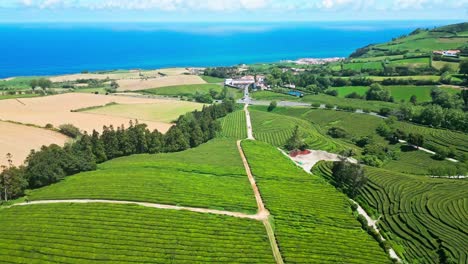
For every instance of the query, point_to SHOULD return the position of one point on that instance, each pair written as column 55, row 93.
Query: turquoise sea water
column 47, row 49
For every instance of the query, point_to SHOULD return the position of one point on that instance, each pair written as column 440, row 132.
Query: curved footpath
column 260, row 216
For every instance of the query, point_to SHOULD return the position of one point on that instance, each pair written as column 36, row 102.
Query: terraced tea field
column 234, row 125
column 186, row 178
column 364, row 125
column 417, row 162
column 277, row 129
column 313, row 222
column 109, row 233
column 420, row 216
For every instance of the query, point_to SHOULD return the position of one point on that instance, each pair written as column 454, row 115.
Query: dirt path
column 426, row 150
column 261, row 206
column 249, row 123
column 308, row 161
column 373, row 223
column 258, row 216
column 258, row 197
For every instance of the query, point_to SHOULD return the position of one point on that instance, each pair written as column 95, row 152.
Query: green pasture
column 210, row 79
column 190, row 90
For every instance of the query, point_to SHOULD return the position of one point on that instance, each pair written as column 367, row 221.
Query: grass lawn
column 210, row 79
column 416, row 77
column 18, row 83
column 190, row 90
column 100, row 90
column 363, row 65
column 209, row 176
column 166, row 111
column 413, row 62
column 111, row 233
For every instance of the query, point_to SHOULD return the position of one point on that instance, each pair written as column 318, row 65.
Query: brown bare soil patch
column 20, row 139
column 56, row 110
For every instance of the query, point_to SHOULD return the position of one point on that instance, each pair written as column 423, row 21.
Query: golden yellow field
column 142, row 84
column 56, row 110
column 164, row 111
column 20, row 139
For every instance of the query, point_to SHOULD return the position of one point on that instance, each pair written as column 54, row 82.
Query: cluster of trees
column 53, row 163
column 378, row 93
column 42, row 83
column 212, row 95
column 446, row 111
column 221, row 72
column 348, row 177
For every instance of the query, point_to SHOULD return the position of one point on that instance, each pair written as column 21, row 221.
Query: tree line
column 52, row 163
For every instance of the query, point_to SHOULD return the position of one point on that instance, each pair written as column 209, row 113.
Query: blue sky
column 229, row 10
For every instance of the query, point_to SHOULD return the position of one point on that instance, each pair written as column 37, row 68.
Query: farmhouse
column 239, row 82
column 447, row 53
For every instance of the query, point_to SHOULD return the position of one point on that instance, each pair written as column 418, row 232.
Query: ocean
column 51, row 49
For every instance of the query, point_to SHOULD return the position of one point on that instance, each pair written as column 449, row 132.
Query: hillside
column 419, row 42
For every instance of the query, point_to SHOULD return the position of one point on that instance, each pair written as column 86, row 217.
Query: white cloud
column 236, row 5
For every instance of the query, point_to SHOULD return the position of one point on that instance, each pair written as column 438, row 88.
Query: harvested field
column 117, row 75
column 139, row 84
column 163, row 111
column 56, row 110
column 20, row 139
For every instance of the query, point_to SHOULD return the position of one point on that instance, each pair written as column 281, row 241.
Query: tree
column 414, row 99
column 464, row 67
column 12, row 180
column 114, row 85
column 416, row 139
column 349, row 177
column 296, row 141
column 98, row 147
column 69, row 130
column 378, row 93
column 272, row 106
column 175, row 140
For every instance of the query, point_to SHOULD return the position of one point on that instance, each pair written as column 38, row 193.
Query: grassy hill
column 419, row 42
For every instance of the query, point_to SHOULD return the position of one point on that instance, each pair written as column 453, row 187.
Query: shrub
column 337, row 132
column 385, row 111
column 272, row 106
column 316, row 105
column 329, row 106
column 49, row 126
column 372, row 160
column 69, row 130
column 364, row 141
column 354, row 95
column 332, row 92
column 441, row 153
